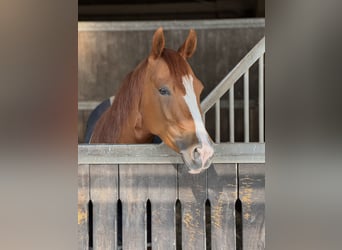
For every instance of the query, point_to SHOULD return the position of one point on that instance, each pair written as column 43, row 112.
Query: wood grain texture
column 158, row 184
column 163, row 195
column 161, row 154
column 222, row 193
column 174, row 25
column 104, row 194
column 252, row 196
column 82, row 204
column 192, row 195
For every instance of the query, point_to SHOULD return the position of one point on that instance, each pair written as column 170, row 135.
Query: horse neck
column 122, row 123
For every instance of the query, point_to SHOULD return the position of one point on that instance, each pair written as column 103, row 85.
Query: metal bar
column 161, row 154
column 246, row 104
column 231, row 115
column 172, row 25
column 217, row 122
column 234, row 75
column 261, row 99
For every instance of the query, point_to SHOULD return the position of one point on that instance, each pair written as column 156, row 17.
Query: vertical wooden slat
column 261, row 99
column 231, row 115
column 104, row 194
column 163, row 195
column 133, row 195
column 138, row 183
column 217, row 122
column 192, row 195
column 222, row 193
column 246, row 104
column 83, row 199
column 252, row 196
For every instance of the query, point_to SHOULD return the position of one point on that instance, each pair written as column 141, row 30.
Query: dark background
column 168, row 10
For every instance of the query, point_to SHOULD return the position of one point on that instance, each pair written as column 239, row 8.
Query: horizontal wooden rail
column 234, row 75
column 172, row 25
column 161, row 154
column 87, row 105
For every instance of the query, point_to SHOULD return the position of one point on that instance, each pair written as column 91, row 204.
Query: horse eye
column 164, row 91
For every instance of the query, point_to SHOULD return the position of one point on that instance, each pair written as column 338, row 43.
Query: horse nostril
column 196, row 154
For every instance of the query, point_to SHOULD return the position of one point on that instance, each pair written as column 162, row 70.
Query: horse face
column 171, row 103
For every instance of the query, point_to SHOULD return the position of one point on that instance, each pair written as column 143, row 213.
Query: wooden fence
column 206, row 203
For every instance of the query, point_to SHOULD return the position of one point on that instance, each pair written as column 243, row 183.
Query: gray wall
column 107, row 51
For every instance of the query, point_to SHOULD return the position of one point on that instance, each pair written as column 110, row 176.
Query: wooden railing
column 161, row 154
column 137, row 206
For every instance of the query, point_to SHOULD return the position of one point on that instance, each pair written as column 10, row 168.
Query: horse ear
column 158, row 43
column 189, row 46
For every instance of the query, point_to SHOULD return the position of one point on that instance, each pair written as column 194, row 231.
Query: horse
column 160, row 98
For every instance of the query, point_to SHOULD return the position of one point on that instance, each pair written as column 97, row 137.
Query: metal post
column 217, row 122
column 246, row 104
column 231, row 115
column 261, row 99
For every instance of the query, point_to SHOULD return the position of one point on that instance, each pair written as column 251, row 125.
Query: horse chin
column 194, row 166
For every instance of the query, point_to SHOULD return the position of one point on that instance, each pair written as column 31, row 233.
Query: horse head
column 170, row 102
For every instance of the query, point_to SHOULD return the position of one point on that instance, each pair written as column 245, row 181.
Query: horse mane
column 108, row 127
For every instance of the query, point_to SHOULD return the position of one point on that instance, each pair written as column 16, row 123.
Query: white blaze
column 190, row 99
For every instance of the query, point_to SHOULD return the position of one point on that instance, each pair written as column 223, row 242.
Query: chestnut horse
column 161, row 96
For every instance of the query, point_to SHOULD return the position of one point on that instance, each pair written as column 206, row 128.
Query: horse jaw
column 141, row 134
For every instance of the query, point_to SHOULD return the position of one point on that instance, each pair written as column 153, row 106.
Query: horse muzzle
column 198, row 157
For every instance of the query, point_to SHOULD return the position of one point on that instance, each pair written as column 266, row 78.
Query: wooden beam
column 172, row 25
column 161, row 154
